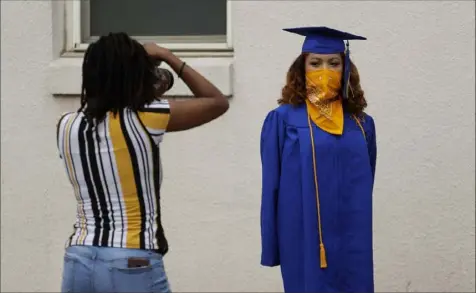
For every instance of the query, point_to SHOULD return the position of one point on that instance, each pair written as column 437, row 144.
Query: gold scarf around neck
column 324, row 105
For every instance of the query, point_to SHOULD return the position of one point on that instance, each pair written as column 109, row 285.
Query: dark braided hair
column 117, row 73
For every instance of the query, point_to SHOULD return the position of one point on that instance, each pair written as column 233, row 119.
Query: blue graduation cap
column 324, row 40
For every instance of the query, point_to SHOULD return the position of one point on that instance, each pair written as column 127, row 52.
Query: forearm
column 198, row 84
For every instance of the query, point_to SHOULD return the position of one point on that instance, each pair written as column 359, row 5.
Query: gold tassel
column 321, row 244
column 323, row 257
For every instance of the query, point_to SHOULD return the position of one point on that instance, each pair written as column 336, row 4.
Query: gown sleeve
column 272, row 134
column 372, row 143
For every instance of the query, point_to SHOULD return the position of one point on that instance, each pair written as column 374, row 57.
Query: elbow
column 222, row 105
column 226, row 104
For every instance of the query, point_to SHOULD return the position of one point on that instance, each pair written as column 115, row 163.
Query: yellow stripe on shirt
column 127, row 180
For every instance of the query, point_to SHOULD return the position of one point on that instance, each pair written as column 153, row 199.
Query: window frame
column 75, row 25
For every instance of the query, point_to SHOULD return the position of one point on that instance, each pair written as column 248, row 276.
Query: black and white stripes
column 115, row 170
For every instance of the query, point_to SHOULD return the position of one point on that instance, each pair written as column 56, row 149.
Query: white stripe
column 156, row 211
column 83, row 195
column 105, row 175
column 162, row 104
column 113, row 184
column 61, row 129
column 95, row 190
column 155, row 132
column 117, row 198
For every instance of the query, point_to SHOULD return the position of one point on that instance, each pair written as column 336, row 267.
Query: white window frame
column 75, row 25
column 215, row 61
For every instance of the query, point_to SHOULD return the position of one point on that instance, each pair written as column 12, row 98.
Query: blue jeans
column 105, row 269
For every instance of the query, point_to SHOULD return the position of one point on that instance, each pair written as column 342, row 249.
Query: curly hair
column 117, row 73
column 294, row 92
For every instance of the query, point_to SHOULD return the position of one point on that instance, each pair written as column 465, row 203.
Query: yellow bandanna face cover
column 323, row 84
column 324, row 109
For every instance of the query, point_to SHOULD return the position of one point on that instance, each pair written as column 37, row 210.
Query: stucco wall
column 418, row 71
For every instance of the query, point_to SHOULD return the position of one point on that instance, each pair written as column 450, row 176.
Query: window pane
column 157, row 17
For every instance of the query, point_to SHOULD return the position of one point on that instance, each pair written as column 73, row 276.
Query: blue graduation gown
column 289, row 222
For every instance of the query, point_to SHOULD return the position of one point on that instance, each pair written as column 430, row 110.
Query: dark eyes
column 333, row 64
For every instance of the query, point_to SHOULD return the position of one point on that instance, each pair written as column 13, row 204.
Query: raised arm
column 208, row 104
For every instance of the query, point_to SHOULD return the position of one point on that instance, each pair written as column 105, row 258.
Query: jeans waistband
column 109, row 253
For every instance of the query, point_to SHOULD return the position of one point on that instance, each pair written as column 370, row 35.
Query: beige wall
column 418, row 71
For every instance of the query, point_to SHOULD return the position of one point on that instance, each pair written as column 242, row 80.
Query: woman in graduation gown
column 318, row 154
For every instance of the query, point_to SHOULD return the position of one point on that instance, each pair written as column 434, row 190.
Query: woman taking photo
column 318, row 152
column 111, row 152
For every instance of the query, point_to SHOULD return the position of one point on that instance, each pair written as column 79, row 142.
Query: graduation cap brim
column 323, row 40
column 322, row 31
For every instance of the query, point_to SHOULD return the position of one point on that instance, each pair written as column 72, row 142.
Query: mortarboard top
column 324, row 40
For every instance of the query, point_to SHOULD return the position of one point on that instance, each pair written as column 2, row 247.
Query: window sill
column 64, row 75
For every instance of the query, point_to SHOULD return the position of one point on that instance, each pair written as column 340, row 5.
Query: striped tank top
column 115, row 170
